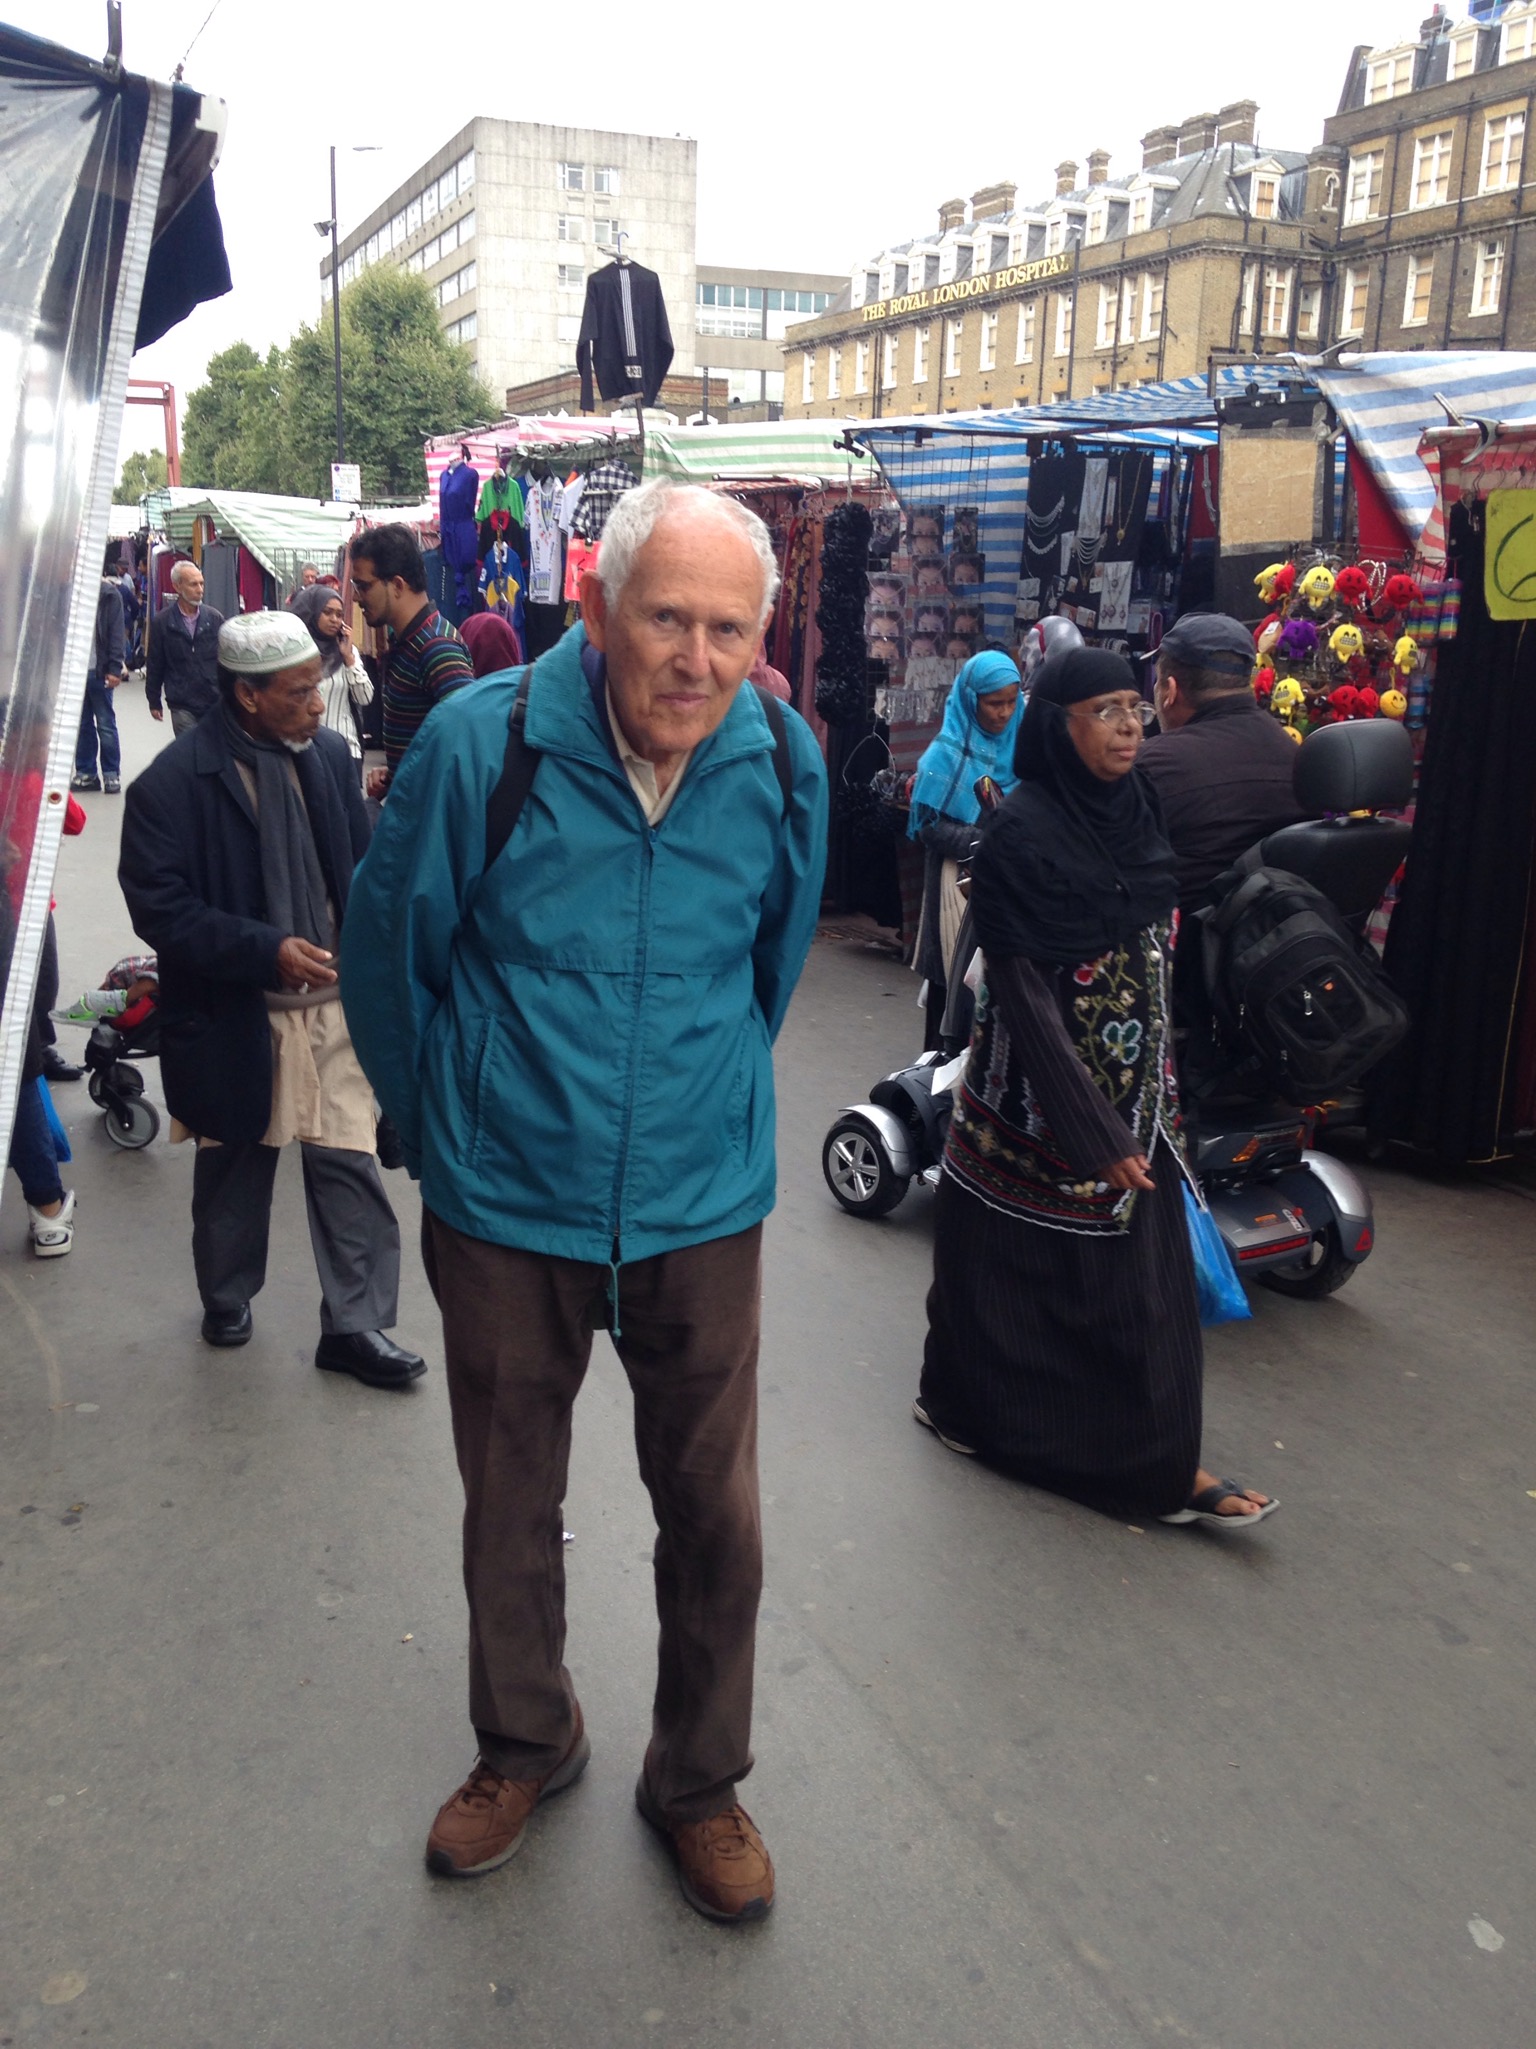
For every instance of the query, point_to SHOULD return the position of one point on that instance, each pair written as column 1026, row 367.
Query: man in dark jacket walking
column 98, row 715
column 238, row 847
column 183, row 662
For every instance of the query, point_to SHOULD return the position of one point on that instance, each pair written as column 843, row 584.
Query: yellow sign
column 1509, row 565
column 989, row 281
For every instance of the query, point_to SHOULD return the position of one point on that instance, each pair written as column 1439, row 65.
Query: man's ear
column 594, row 610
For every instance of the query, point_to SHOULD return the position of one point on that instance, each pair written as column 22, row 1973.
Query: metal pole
column 341, row 445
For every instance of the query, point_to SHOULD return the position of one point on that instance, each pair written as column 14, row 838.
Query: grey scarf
column 290, row 862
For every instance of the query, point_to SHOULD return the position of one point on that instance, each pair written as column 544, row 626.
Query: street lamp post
column 330, row 228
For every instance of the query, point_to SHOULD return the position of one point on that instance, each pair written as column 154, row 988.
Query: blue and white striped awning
column 1387, row 400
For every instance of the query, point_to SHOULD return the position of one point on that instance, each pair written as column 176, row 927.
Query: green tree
column 232, row 439
column 402, row 380
column 143, row 471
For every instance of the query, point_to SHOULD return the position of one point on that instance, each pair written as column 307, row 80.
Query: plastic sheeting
column 85, row 149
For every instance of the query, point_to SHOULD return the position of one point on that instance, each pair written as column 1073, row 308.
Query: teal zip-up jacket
column 576, row 1046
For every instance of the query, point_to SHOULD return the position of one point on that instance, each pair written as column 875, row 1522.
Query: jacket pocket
column 477, row 1091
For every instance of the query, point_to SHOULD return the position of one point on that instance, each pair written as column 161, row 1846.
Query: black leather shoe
column 227, row 1326
column 57, row 1068
column 370, row 1357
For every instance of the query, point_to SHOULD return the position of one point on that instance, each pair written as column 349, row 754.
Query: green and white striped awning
column 800, row 451
column 275, row 529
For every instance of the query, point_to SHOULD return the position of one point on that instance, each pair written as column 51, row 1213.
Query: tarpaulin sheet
column 85, row 149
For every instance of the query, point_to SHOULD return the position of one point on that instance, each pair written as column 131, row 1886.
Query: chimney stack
column 1236, row 121
column 992, row 200
column 1196, row 134
column 1098, row 167
column 951, row 214
column 1066, row 179
column 1159, row 146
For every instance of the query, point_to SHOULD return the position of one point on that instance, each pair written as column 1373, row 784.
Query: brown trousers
column 517, row 1335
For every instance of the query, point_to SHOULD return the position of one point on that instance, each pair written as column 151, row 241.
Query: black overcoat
column 190, row 869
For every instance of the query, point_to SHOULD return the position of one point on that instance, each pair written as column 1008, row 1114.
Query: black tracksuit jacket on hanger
column 625, row 336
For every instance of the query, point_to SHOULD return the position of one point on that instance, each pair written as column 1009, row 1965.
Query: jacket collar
column 565, row 712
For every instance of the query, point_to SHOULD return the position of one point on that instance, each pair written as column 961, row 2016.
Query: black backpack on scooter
column 1298, row 999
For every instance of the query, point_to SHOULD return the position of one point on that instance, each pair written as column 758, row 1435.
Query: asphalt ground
column 1033, row 1778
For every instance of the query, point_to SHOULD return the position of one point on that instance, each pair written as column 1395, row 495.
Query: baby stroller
column 115, row 1083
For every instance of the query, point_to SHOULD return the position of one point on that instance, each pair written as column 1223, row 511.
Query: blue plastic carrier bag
column 1217, row 1286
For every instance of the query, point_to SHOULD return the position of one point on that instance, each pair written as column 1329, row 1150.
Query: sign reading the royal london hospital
column 989, row 281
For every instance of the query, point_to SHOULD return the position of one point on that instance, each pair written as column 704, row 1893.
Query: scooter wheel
column 858, row 1171
column 1323, row 1272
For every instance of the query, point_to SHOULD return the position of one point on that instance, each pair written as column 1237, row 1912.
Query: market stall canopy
column 110, row 234
column 526, row 436
column 275, row 529
column 1388, row 401
column 796, row 451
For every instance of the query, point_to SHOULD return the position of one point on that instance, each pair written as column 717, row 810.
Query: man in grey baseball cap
column 1221, row 764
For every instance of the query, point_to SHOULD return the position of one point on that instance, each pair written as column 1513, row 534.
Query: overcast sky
column 825, row 130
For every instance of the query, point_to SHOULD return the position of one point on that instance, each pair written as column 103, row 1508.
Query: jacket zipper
column 621, row 1166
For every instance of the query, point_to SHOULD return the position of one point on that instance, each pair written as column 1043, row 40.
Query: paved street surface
column 1033, row 1779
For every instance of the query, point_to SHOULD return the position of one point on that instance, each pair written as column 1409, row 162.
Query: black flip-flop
column 1202, row 1508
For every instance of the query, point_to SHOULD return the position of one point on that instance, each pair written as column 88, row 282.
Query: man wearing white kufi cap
column 239, row 844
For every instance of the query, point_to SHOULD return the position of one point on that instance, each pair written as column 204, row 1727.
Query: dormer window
column 1462, row 61
column 1098, row 221
column 1389, row 76
column 871, row 287
column 1518, row 36
column 1141, row 213
column 1264, row 196
column 1056, row 235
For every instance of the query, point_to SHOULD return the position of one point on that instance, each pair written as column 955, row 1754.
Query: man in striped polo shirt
column 426, row 657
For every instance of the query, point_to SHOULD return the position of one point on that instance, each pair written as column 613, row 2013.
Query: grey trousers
column 183, row 719
column 351, row 1226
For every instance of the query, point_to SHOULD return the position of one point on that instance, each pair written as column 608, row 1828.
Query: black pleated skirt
column 1070, row 1361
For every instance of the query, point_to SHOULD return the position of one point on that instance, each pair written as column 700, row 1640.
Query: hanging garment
column 545, row 541
column 570, row 498
column 606, row 483
column 458, row 494
column 500, row 495
column 580, row 560
column 501, row 585
column 625, row 338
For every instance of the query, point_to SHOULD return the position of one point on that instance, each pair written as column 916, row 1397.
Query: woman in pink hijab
column 491, row 642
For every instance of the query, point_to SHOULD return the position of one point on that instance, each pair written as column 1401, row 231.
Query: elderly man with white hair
column 238, row 848
column 182, row 666
column 566, row 957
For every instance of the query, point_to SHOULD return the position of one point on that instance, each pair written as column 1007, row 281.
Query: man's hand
column 377, row 783
column 156, row 713
column 302, row 966
column 1130, row 1173
column 113, row 681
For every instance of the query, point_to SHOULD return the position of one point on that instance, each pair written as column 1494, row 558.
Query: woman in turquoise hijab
column 981, row 723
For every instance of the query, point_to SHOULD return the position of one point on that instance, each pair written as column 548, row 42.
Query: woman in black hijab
column 1064, row 1339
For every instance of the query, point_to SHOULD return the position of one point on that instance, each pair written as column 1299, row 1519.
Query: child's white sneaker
column 53, row 1236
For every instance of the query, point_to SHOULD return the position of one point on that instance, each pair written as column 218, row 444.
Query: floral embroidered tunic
column 1070, row 1070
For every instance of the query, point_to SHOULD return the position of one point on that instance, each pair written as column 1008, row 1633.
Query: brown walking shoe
column 482, row 1825
column 723, row 1864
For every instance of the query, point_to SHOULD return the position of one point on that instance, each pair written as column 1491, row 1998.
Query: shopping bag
column 1217, row 1286
column 55, row 1124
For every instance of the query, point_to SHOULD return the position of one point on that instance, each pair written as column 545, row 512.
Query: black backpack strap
column 773, row 711
column 519, row 765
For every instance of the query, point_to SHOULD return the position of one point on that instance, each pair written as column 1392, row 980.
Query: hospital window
column 807, row 378
column 1357, row 292
column 1431, row 169
column 953, row 332
column 1064, row 324
column 1151, row 305
column 1488, row 277
column 888, row 362
column 1055, row 235
column 1141, row 213
column 1245, row 311
column 1024, row 339
column 1519, row 36
column 1309, row 312
column 1109, row 302
column 920, row 342
column 1128, row 290
column 861, row 366
column 834, row 372
column 1265, row 202
column 1277, row 298
column 1463, row 59
column 1503, row 147
column 1420, row 283
column 1389, row 77
column 987, row 359
column 1362, row 201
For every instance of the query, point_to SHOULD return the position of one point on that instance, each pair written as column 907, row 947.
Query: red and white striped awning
column 549, row 430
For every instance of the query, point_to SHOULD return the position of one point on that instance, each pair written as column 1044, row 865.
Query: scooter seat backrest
column 1351, row 860
column 1363, row 765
